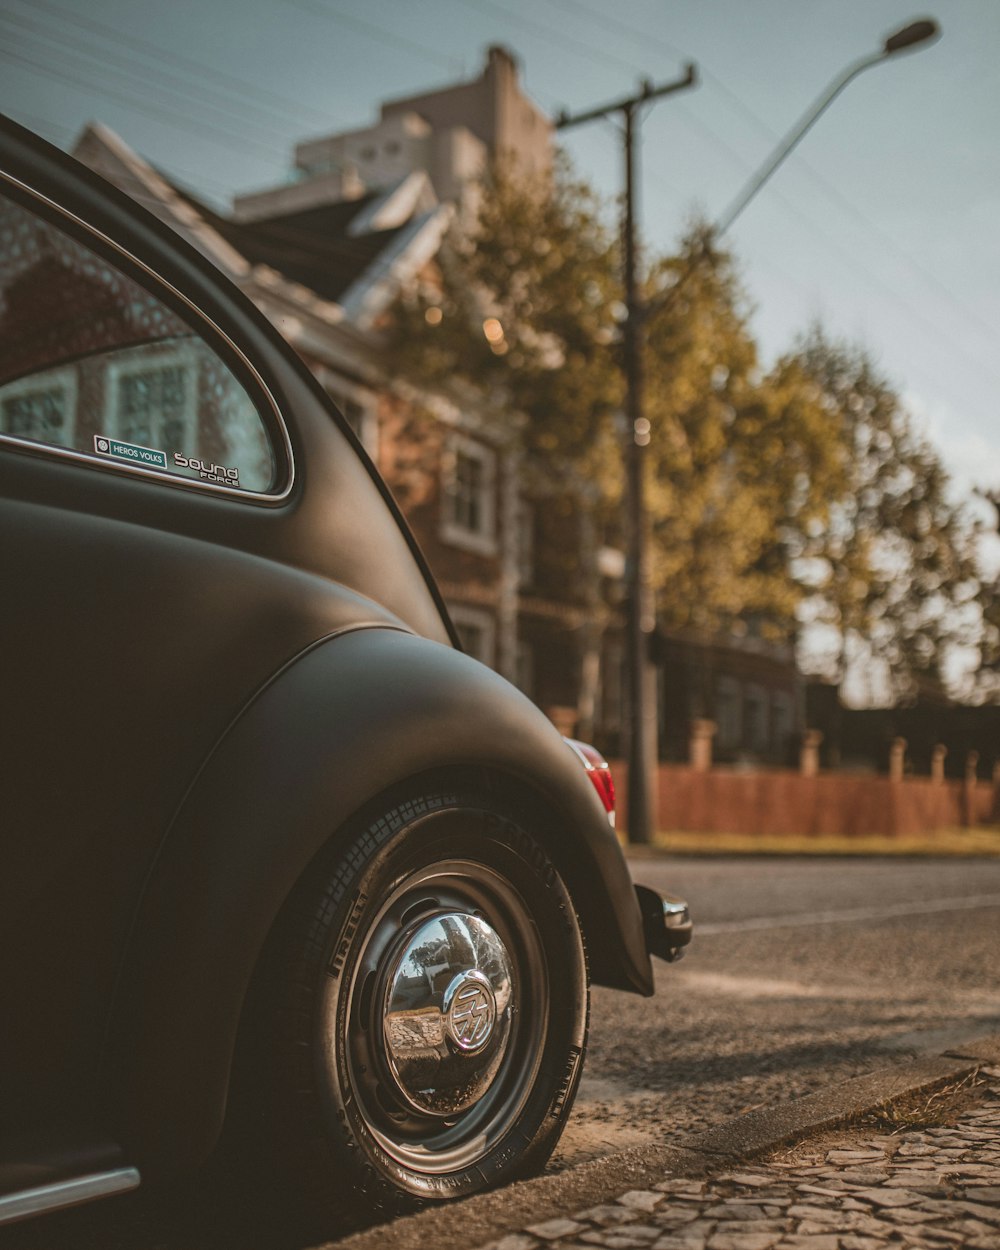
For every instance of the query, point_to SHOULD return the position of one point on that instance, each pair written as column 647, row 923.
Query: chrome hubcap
column 446, row 1014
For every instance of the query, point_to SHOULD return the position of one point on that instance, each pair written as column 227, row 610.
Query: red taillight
column 605, row 787
column 599, row 773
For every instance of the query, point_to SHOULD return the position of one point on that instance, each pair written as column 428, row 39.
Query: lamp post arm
column 792, row 140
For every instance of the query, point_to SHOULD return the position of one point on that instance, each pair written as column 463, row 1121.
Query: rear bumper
column 666, row 923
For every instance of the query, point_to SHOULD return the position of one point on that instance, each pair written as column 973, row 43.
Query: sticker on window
column 217, row 473
column 148, row 457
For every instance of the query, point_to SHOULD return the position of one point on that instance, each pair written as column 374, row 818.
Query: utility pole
column 642, row 720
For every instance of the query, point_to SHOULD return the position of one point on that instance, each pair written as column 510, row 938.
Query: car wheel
column 425, row 1009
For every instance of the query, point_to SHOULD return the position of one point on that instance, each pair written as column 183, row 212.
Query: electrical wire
column 561, row 38
column 239, row 87
column 40, row 41
column 192, row 125
column 604, row 57
column 646, row 39
column 379, row 33
column 183, row 179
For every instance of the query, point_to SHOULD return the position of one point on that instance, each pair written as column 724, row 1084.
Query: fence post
column 897, row 759
column 700, row 745
column 969, row 790
column 937, row 763
column 995, row 816
column 809, row 752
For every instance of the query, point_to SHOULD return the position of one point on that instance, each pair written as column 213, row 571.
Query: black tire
column 340, row 1122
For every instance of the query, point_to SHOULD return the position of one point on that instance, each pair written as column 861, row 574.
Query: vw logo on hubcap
column 470, row 1011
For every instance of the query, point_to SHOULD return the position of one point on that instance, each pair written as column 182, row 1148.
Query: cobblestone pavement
column 928, row 1188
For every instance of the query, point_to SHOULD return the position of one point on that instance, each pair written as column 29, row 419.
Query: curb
column 491, row 1215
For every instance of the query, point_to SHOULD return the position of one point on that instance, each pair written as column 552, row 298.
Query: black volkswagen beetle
column 274, row 851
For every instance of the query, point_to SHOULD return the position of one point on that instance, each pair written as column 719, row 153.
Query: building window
column 782, row 721
column 476, row 631
column 468, row 505
column 728, row 713
column 756, row 730
column 151, row 400
column 468, row 515
column 42, row 409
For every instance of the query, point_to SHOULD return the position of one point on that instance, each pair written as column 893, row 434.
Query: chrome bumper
column 666, row 923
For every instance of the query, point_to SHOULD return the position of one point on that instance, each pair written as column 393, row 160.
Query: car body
column 225, row 659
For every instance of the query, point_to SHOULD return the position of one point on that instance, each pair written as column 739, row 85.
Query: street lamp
column 911, row 36
column 641, row 617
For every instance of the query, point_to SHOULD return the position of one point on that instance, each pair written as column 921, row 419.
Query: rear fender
column 347, row 720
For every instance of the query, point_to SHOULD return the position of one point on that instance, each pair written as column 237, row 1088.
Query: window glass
column 755, row 726
column 468, row 486
column 728, row 713
column 92, row 362
column 782, row 718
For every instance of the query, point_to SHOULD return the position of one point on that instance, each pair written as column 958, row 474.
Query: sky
column 883, row 224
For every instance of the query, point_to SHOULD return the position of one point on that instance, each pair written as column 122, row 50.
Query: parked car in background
column 273, row 848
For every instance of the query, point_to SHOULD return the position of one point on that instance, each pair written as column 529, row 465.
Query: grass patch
column 938, row 1109
column 978, row 842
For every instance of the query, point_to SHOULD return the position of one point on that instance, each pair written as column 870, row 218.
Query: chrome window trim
column 25, row 1203
column 94, row 461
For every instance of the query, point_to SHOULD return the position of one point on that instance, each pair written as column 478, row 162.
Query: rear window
column 91, row 362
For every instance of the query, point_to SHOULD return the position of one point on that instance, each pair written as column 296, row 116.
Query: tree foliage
column 802, row 494
column 523, row 307
column 740, row 463
column 894, row 571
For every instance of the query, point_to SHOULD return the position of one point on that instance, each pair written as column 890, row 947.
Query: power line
column 593, row 54
column 559, row 37
column 184, row 179
column 617, row 27
column 379, row 33
column 78, row 54
column 238, row 86
column 646, row 39
column 822, row 236
column 192, row 125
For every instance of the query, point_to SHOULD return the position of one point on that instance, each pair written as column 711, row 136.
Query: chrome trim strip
column 158, row 279
column 69, row 1193
column 579, row 754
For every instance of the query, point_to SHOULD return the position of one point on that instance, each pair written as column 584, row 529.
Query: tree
column 988, row 684
column 893, row 573
column 741, row 465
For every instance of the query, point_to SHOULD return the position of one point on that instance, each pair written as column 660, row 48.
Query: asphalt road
column 802, row 972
